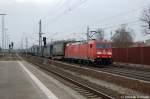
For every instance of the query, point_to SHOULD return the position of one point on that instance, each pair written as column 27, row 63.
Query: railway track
column 89, row 90
column 116, row 75
column 135, row 74
column 133, row 79
column 142, row 75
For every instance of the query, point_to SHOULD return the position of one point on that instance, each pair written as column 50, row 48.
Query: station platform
column 21, row 80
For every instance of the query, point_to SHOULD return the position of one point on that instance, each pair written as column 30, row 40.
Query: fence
column 135, row 55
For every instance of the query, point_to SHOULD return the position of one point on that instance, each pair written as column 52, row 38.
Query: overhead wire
column 72, row 7
column 68, row 10
column 126, row 23
column 114, row 16
column 58, row 6
column 121, row 14
column 101, row 20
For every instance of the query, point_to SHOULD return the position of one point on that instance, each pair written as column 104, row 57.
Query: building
column 147, row 42
column 138, row 44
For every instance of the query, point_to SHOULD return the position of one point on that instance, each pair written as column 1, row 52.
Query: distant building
column 138, row 44
column 147, row 42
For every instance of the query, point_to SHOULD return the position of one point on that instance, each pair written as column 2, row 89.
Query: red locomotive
column 95, row 51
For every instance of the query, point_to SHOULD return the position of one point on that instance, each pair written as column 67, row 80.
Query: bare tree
column 123, row 37
column 99, row 34
column 146, row 20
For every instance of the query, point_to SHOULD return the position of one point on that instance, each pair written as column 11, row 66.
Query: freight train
column 97, row 52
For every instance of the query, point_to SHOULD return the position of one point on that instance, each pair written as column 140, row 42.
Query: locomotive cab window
column 103, row 45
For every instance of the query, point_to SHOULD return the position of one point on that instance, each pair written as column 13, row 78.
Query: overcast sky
column 64, row 19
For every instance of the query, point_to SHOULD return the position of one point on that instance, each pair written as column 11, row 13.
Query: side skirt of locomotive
column 98, row 61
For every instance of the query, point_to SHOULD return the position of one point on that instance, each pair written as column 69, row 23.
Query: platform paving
column 21, row 80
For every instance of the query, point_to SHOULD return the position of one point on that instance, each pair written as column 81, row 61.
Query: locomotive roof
column 91, row 41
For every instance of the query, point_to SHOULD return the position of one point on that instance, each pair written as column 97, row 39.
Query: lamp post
column 3, row 31
column 5, row 38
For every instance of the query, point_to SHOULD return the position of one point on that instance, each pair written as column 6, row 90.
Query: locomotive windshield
column 103, row 45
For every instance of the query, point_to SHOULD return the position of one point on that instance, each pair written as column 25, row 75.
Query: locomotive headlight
column 99, row 52
column 109, row 53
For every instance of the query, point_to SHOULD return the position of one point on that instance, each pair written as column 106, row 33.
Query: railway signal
column 44, row 40
column 12, row 45
column 9, row 46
